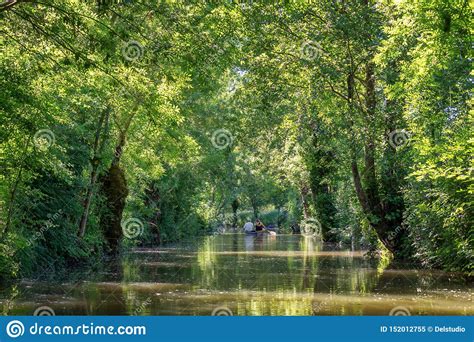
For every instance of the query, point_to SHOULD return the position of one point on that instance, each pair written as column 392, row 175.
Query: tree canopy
column 129, row 123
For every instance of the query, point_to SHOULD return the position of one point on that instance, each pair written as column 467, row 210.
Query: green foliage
column 433, row 85
column 173, row 114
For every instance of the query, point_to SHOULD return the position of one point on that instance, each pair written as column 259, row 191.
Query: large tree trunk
column 372, row 211
column 114, row 187
column 368, row 196
column 377, row 212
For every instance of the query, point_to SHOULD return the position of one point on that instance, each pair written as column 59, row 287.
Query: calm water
column 245, row 275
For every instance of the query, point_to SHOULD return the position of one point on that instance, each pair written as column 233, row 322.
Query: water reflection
column 251, row 275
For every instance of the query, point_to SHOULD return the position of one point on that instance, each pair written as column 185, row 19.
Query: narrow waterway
column 244, row 275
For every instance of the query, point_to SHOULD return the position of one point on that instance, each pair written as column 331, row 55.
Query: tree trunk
column 368, row 196
column 304, row 202
column 114, row 187
column 7, row 4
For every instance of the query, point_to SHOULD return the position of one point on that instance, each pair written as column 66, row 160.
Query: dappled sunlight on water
column 248, row 275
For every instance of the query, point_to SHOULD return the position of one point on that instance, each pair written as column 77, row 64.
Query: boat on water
column 272, row 231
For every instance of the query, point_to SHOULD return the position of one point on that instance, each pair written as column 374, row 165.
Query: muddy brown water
column 244, row 275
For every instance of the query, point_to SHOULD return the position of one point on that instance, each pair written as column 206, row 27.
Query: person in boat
column 248, row 227
column 259, row 226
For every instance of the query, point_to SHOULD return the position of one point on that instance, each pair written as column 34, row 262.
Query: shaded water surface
column 244, row 275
